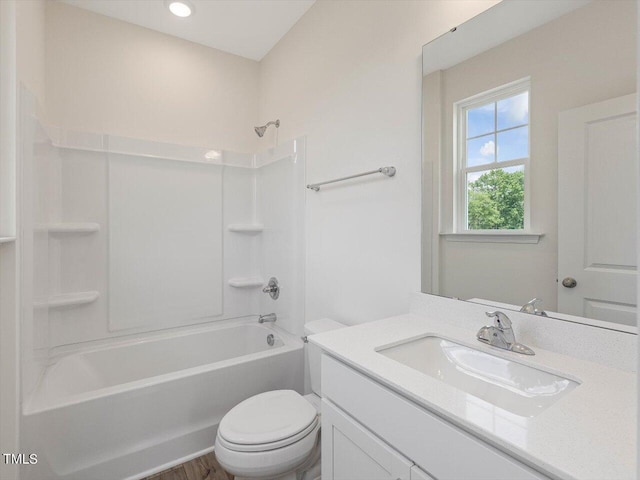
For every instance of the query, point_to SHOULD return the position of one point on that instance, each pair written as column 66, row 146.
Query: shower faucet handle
column 272, row 288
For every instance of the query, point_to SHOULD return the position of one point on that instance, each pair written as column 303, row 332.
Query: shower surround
column 143, row 265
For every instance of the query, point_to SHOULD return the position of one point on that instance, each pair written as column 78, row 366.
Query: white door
column 597, row 205
column 351, row 452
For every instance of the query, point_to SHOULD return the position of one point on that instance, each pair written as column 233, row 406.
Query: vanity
column 418, row 397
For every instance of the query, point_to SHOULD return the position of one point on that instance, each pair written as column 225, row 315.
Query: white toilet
column 276, row 434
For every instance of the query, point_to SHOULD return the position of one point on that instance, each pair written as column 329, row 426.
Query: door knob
column 569, row 282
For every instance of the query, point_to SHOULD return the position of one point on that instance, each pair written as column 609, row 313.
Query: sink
column 520, row 389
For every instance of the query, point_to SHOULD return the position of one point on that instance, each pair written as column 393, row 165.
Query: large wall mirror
column 531, row 160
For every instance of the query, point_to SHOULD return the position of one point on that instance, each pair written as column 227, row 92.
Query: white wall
column 638, row 223
column 21, row 60
column 348, row 76
column 109, row 76
column 30, row 16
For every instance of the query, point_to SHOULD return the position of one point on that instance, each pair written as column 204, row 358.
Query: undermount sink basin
column 517, row 388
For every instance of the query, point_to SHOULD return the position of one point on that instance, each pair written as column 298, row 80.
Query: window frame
column 460, row 109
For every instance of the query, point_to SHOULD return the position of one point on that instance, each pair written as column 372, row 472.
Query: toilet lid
column 266, row 418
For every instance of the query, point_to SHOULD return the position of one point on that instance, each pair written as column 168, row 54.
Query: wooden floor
column 201, row 468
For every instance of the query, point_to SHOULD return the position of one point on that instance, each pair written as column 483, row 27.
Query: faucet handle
column 501, row 321
column 532, row 307
column 272, row 288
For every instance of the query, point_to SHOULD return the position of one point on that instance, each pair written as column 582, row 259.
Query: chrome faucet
column 270, row 317
column 501, row 335
column 532, row 307
column 272, row 288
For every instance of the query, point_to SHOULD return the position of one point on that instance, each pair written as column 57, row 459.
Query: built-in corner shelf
column 70, row 299
column 7, row 239
column 72, row 228
column 246, row 227
column 246, row 282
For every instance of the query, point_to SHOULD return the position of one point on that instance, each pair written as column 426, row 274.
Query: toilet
column 276, row 435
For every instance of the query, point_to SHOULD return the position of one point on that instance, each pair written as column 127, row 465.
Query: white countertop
column 590, row 433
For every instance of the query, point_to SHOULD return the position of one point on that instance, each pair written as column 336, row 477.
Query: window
column 492, row 157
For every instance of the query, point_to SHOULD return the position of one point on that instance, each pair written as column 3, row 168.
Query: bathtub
column 128, row 410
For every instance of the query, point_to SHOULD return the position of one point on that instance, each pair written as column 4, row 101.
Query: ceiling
column 493, row 27
column 249, row 28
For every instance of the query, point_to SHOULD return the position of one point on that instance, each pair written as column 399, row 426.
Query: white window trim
column 461, row 232
column 494, row 236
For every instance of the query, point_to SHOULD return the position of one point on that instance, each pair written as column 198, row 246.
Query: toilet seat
column 269, row 434
column 267, row 421
column 271, row 463
column 265, row 447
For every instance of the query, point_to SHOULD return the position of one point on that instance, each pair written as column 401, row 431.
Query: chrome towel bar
column 388, row 171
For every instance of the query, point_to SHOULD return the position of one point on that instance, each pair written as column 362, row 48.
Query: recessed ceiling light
column 180, row 8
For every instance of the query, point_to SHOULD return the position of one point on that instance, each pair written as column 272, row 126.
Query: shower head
column 260, row 130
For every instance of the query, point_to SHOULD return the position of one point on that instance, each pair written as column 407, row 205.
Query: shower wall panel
column 280, row 191
column 241, row 250
column 78, row 251
column 135, row 236
column 165, row 242
column 40, row 196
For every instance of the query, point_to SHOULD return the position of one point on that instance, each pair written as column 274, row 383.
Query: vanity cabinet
column 401, row 440
column 351, row 452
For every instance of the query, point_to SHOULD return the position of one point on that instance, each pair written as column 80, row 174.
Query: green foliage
column 496, row 201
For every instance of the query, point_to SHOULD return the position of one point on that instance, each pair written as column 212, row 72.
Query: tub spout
column 270, row 317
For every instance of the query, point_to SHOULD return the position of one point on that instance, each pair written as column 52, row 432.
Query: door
column 351, row 452
column 597, row 205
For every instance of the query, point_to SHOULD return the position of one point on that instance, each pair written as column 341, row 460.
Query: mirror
column 530, row 160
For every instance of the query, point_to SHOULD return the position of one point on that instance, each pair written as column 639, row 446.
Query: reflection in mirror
column 530, row 160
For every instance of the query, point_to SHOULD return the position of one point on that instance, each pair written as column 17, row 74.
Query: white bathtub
column 129, row 410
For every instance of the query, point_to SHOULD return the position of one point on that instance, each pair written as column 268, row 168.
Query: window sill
column 493, row 237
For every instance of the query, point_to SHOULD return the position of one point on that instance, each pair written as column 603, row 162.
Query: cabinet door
column 418, row 474
column 351, row 452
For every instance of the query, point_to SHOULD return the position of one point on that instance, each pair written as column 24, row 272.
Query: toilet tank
column 314, row 352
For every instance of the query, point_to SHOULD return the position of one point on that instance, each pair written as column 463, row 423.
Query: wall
column 560, row 58
column 638, row 223
column 21, row 60
column 348, row 76
column 30, row 16
column 108, row 76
